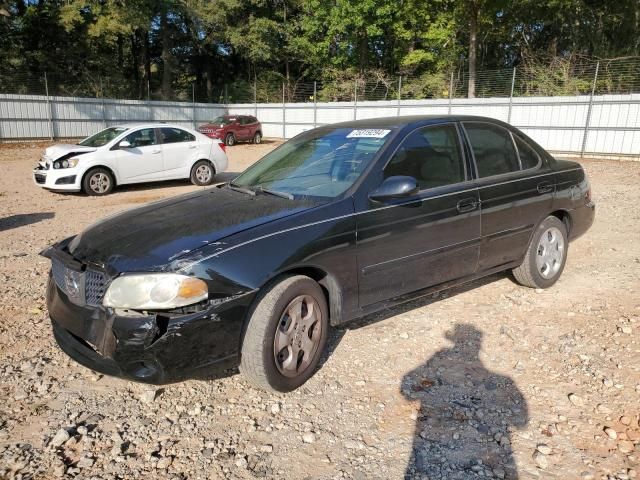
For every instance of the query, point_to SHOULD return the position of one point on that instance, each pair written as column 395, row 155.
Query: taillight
column 223, row 147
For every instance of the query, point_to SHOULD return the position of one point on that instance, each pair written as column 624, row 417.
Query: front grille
column 40, row 177
column 86, row 287
column 94, row 287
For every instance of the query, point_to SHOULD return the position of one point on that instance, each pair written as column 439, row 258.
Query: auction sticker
column 368, row 133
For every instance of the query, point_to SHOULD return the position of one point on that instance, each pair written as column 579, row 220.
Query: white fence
column 598, row 125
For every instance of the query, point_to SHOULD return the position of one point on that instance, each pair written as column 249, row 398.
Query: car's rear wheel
column 97, row 182
column 546, row 256
column 285, row 335
column 257, row 138
column 230, row 140
column 202, row 173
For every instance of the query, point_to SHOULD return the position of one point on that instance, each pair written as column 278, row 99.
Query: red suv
column 233, row 128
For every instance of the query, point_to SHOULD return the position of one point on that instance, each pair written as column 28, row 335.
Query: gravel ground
column 490, row 380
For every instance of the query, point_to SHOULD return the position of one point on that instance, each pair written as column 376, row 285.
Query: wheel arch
column 93, row 167
column 565, row 217
column 204, row 159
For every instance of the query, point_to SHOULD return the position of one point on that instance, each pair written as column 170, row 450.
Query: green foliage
column 241, row 49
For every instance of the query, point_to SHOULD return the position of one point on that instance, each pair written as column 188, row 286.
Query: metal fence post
column 355, row 101
column 104, row 114
column 284, row 114
column 450, row 92
column 399, row 95
column 255, row 99
column 315, row 105
column 49, row 109
column 193, row 97
column 586, row 125
column 513, row 84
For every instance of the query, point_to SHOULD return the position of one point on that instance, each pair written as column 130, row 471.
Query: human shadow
column 466, row 413
column 23, row 219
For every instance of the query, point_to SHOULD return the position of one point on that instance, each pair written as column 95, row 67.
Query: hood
column 151, row 237
column 57, row 151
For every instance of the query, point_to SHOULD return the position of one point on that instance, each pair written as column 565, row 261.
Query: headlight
column 154, row 291
column 67, row 163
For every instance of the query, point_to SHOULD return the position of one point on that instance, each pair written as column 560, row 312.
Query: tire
column 98, row 182
column 271, row 327
column 257, row 138
column 546, row 255
column 230, row 140
column 203, row 173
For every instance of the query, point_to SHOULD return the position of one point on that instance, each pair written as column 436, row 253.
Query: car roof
column 414, row 120
column 150, row 125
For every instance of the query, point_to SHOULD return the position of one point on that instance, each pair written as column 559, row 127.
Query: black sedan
column 339, row 222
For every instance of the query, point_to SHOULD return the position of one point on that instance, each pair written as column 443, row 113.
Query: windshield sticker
column 368, row 133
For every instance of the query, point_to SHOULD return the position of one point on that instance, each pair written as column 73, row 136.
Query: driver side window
column 431, row 155
column 142, row 138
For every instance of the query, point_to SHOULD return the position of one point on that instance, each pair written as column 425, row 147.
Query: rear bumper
column 581, row 219
column 149, row 348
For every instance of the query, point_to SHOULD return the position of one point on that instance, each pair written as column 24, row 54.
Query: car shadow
column 23, row 219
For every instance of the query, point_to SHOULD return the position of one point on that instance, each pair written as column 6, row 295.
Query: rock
column 148, row 396
column 626, row 446
column 360, row 383
column 59, row 438
column 576, row 400
column 543, row 448
column 587, row 476
column 404, row 335
column 626, row 329
column 241, row 461
column 266, row 448
column 607, row 382
column 611, row 433
column 308, row 437
column 600, row 408
column 275, row 409
column 540, row 459
column 82, row 430
column 625, row 420
column 85, row 462
column 631, row 473
column 164, row 463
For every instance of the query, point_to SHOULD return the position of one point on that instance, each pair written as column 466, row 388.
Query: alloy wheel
column 99, row 182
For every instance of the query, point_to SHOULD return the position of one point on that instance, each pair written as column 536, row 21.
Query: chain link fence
column 561, row 78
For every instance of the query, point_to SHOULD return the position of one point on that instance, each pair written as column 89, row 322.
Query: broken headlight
column 154, row 291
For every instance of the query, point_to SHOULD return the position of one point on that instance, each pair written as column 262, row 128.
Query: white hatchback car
column 131, row 154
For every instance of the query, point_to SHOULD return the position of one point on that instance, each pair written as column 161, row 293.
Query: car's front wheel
column 230, row 140
column 546, row 256
column 98, row 181
column 257, row 138
column 285, row 335
column 202, row 173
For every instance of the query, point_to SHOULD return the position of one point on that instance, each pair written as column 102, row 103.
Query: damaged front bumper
column 156, row 348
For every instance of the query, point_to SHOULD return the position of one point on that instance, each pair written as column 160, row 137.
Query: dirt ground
column 490, row 380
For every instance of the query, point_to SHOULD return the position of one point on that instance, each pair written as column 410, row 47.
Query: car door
column 179, row 150
column 244, row 129
column 516, row 189
column 141, row 160
column 429, row 238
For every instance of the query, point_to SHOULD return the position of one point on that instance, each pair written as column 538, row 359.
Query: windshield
column 323, row 162
column 224, row 120
column 103, row 137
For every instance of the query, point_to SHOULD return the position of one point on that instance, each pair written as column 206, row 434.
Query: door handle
column 192, row 146
column 545, row 187
column 156, row 151
column 467, row 205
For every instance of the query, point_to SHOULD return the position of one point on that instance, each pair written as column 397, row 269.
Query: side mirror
column 395, row 187
column 124, row 144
